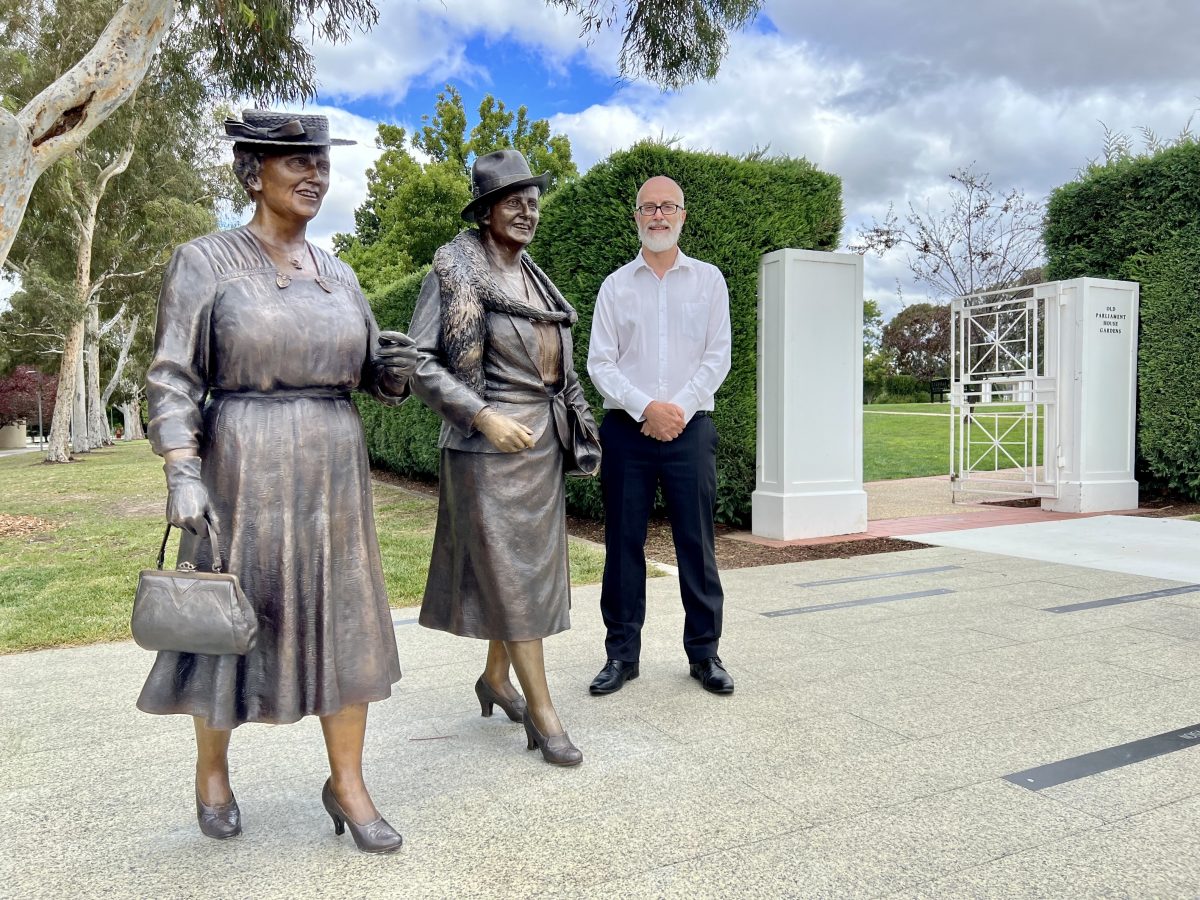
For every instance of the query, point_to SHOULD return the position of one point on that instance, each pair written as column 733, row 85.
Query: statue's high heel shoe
column 219, row 822
column 514, row 709
column 557, row 749
column 374, row 837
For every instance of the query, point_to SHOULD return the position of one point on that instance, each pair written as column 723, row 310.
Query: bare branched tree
column 983, row 241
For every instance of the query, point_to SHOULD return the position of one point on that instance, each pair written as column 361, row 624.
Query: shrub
column 1136, row 219
column 738, row 209
column 404, row 438
column 1168, row 367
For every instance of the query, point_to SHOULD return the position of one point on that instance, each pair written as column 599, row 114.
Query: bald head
column 662, row 188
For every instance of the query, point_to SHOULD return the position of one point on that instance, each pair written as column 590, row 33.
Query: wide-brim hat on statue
column 498, row 173
column 280, row 129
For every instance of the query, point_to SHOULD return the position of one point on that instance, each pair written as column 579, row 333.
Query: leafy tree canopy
column 669, row 42
column 412, row 207
column 919, row 339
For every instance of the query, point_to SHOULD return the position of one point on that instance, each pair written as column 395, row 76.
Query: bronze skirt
column 499, row 569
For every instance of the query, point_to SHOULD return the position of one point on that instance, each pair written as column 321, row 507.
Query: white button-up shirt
column 662, row 339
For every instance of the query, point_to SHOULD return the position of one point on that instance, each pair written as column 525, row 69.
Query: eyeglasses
column 649, row 209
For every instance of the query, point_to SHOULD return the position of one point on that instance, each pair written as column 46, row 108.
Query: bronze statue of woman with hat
column 261, row 339
column 493, row 335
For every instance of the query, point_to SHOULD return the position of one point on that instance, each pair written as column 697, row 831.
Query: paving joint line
column 847, row 604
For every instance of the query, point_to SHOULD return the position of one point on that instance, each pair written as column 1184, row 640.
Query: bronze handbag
column 188, row 611
column 583, row 456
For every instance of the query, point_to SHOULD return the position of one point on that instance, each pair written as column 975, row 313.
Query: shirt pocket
column 695, row 321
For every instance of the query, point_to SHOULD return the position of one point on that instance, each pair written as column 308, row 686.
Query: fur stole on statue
column 470, row 291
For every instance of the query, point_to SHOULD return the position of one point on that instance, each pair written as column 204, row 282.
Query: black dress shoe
column 712, row 675
column 614, row 674
column 221, row 821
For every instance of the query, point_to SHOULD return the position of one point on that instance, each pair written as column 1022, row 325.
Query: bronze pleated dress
column 257, row 379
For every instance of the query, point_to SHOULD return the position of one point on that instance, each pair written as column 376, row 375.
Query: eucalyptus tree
column 97, row 228
column 251, row 47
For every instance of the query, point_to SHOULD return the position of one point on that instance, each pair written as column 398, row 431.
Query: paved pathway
column 915, row 506
column 879, row 708
column 1164, row 548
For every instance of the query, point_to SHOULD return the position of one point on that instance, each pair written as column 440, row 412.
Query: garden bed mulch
column 731, row 553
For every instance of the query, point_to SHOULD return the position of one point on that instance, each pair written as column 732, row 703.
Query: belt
column 703, row 413
column 309, row 393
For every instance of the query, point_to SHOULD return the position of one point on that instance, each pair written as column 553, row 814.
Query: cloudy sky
column 889, row 96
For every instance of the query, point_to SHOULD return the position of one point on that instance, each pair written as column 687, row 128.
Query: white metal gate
column 1004, row 392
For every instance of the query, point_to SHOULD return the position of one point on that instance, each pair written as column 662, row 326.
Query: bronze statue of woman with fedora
column 494, row 340
column 261, row 338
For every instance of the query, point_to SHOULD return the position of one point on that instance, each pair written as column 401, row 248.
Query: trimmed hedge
column 403, row 438
column 1169, row 362
column 1136, row 219
column 738, row 209
column 896, row 389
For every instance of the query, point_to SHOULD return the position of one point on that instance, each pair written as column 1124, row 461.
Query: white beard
column 658, row 241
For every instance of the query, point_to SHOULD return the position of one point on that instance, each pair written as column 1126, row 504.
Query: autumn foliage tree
column 918, row 337
column 20, row 392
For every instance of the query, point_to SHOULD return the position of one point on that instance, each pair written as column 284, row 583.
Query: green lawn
column 911, row 446
column 74, row 583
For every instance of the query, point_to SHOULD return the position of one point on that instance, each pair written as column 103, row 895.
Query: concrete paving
column 863, row 754
column 928, row 496
column 1167, row 548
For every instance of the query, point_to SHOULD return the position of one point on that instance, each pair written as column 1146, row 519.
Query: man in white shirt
column 659, row 351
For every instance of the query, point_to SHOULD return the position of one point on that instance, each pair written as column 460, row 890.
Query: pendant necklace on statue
column 284, row 279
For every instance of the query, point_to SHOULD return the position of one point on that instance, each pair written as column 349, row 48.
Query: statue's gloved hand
column 188, row 504
column 503, row 432
column 397, row 353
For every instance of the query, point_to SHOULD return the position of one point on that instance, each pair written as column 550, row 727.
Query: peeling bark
column 97, row 422
column 58, row 446
column 78, row 429
column 58, row 120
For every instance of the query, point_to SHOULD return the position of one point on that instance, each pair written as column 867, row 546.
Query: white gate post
column 810, row 362
column 1097, row 392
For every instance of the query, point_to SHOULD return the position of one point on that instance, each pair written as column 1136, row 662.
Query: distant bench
column 938, row 389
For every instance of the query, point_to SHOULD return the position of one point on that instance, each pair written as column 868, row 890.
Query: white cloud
column 890, row 97
column 424, row 43
column 895, row 146
column 1043, row 45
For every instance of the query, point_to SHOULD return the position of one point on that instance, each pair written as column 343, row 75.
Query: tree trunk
column 79, row 434
column 58, row 120
column 97, row 422
column 122, row 359
column 131, row 412
column 63, row 427
column 58, row 447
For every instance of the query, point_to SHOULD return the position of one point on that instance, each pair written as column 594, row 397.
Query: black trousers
column 686, row 468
